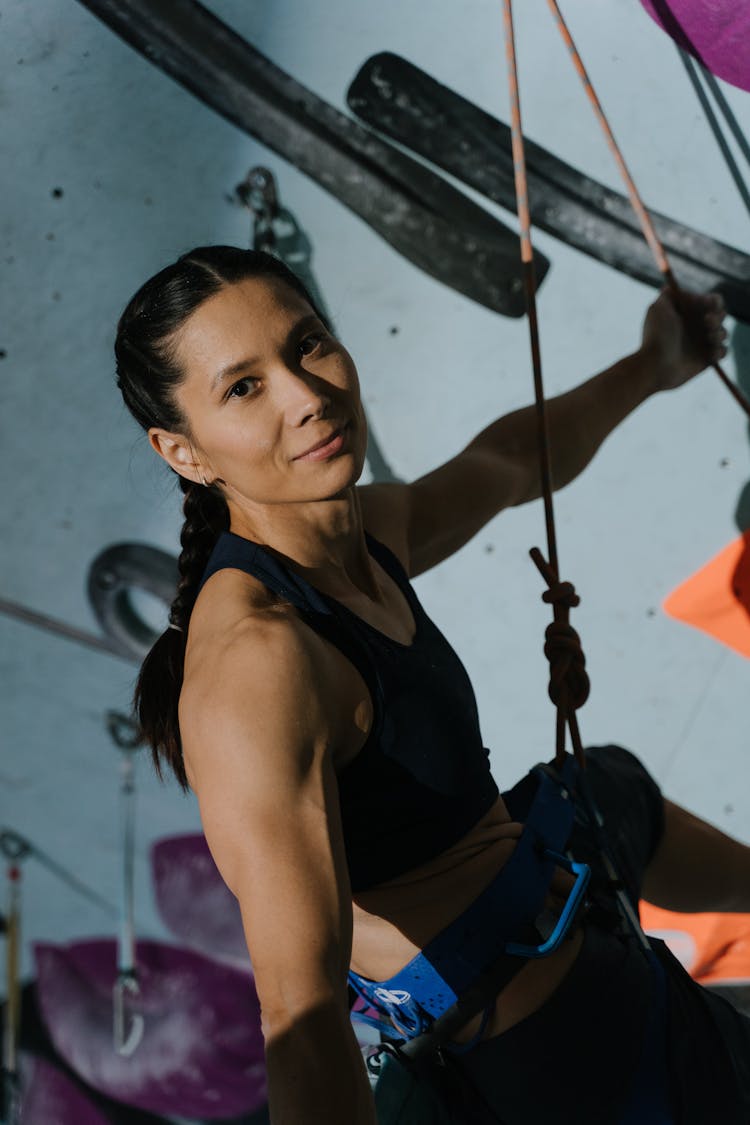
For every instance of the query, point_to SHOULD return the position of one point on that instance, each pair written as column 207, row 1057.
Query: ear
column 177, row 451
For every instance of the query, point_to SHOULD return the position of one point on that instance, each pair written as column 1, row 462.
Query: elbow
column 289, row 997
column 291, row 1007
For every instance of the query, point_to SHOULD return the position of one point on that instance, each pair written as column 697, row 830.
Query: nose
column 303, row 396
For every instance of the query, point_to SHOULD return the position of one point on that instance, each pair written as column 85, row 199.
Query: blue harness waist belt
column 506, row 919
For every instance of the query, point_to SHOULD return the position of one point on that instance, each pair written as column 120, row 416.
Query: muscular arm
column 258, row 734
column 436, row 515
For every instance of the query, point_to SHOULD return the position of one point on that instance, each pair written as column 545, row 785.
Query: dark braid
column 156, row 703
column 148, row 375
column 206, row 516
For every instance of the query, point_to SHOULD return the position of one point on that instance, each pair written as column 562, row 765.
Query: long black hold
column 411, row 107
column 426, row 219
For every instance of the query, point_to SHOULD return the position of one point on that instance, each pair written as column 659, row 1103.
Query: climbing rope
column 569, row 684
column 647, row 226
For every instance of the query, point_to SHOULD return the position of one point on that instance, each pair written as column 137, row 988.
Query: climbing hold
column 715, row 32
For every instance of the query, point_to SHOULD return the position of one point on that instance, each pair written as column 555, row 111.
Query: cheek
column 345, row 371
column 353, row 375
column 238, row 441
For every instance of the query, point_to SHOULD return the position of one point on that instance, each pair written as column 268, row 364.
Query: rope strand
column 529, row 279
column 647, row 226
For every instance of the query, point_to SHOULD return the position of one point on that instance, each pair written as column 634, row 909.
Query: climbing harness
column 448, row 982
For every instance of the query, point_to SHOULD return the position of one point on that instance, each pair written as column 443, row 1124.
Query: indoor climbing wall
column 114, row 168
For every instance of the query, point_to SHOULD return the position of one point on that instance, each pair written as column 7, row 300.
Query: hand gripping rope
column 647, row 226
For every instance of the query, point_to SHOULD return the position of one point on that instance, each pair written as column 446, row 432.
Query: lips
column 333, row 439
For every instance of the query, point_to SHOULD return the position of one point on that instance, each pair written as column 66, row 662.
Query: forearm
column 316, row 1074
column 578, row 422
column 581, row 419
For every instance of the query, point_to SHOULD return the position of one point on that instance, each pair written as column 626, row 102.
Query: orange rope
column 647, row 226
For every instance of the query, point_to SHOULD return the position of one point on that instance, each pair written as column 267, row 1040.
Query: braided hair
column 148, row 375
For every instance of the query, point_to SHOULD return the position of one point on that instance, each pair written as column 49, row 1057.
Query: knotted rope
column 569, row 682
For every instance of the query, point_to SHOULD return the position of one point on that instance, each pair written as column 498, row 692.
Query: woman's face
column 264, row 384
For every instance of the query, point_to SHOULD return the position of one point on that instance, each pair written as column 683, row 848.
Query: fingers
column 703, row 315
column 713, row 320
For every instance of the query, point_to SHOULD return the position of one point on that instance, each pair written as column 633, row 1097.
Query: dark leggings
column 599, row 1052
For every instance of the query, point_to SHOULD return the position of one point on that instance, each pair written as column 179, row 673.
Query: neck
column 323, row 541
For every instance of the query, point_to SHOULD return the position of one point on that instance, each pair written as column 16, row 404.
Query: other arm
column 438, row 513
column 258, row 739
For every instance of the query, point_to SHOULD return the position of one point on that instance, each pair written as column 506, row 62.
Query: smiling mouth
column 326, row 448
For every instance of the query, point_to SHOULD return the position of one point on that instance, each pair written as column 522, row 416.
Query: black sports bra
column 422, row 780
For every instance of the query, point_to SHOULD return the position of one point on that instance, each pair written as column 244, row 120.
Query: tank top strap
column 233, row 552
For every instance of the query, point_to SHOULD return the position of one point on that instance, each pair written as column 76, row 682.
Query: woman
column 327, row 728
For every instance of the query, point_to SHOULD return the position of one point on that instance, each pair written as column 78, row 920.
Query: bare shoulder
column 259, row 718
column 386, row 515
column 255, row 665
column 257, row 676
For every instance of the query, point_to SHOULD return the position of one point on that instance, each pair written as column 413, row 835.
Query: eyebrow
column 245, row 364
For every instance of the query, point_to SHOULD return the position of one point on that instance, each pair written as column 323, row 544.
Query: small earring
column 203, row 479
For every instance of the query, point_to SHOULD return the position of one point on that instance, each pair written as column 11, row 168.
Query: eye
column 243, row 388
column 310, row 343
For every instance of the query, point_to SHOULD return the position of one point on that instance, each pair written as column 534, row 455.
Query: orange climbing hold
column 716, row 598
column 714, row 948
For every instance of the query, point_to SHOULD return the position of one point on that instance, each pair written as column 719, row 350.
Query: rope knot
column 561, row 594
column 569, row 684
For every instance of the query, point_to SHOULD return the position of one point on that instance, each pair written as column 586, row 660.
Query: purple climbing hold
column 716, row 32
column 201, row 1053
column 193, row 900
column 49, row 1096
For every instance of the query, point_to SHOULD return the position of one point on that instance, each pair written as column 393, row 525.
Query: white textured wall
column 145, row 170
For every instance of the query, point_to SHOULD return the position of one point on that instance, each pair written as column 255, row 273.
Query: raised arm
column 433, row 517
column 258, row 737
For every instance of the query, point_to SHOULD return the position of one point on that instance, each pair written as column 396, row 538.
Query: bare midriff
column 395, row 920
